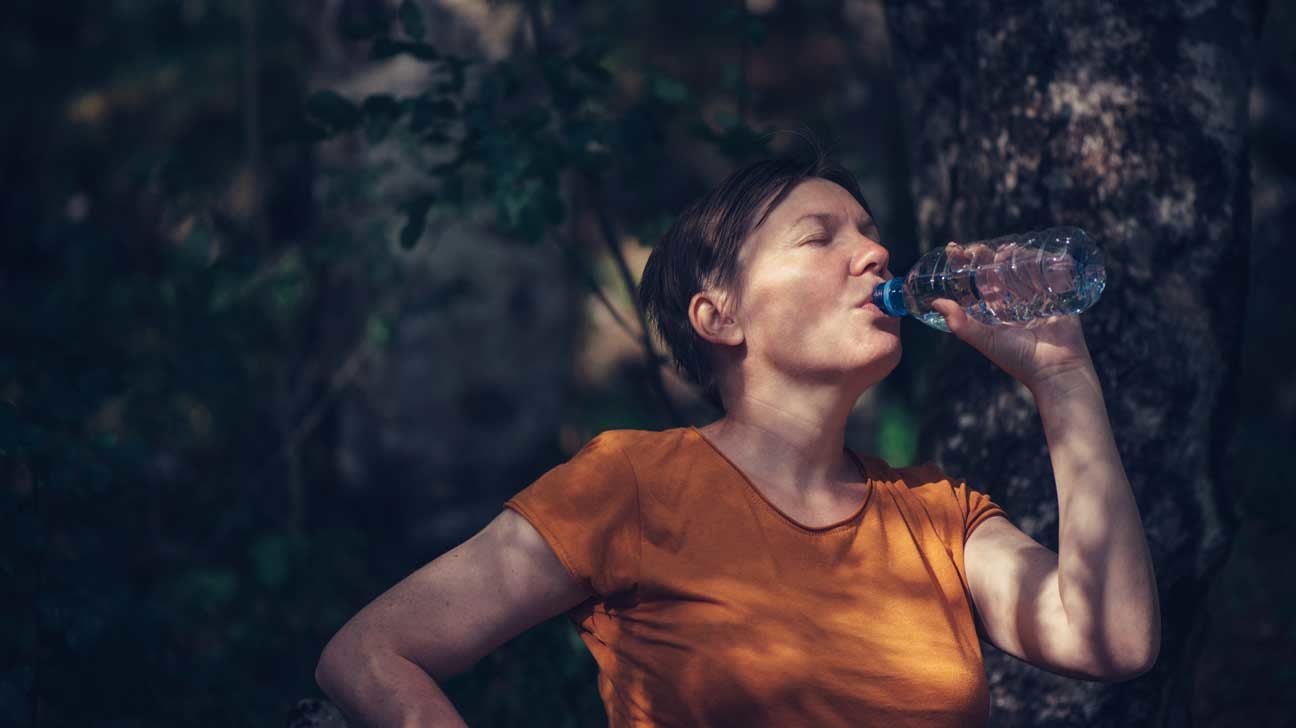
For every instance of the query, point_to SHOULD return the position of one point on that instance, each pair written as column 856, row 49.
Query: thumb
column 955, row 317
column 947, row 308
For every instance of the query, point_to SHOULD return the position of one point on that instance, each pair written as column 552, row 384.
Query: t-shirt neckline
column 870, row 486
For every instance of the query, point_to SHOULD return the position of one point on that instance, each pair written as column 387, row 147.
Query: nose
column 871, row 256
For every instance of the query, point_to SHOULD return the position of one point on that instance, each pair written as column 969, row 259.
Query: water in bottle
column 1014, row 280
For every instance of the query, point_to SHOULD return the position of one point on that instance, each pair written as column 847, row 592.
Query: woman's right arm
column 382, row 667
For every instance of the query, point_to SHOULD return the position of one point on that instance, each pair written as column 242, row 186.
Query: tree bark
column 1128, row 120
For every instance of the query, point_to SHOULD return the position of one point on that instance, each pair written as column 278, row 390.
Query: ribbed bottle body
column 1014, row 280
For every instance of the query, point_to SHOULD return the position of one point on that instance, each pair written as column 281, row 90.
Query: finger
column 958, row 322
column 981, row 253
column 983, row 263
column 956, row 256
column 989, row 280
column 955, row 315
column 946, row 308
column 1019, row 289
column 1027, row 262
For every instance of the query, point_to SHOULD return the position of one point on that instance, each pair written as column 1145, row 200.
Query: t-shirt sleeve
column 965, row 507
column 974, row 506
column 587, row 510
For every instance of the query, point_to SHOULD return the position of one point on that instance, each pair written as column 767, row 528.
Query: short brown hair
column 701, row 249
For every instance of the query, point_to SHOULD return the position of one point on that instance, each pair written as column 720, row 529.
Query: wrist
column 1065, row 383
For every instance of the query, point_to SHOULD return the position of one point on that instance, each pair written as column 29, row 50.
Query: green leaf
column 360, row 21
column 422, row 51
column 669, row 90
column 334, row 111
column 532, row 119
column 552, row 206
column 382, row 104
column 197, row 244
column 702, row 130
column 384, row 48
column 381, row 111
column 301, row 130
column 729, row 17
column 726, row 119
column 652, row 230
column 452, row 189
column 417, row 209
column 208, row 589
column 456, row 67
column 272, row 560
column 595, row 72
column 428, row 110
column 376, row 129
column 440, row 295
column 378, row 330
column 411, row 19
column 731, row 76
column 592, row 50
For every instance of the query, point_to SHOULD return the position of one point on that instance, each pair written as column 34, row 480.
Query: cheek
column 798, row 309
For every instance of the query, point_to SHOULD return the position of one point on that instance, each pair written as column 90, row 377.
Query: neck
column 800, row 448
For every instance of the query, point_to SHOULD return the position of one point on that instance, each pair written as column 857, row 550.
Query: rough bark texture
column 1128, row 120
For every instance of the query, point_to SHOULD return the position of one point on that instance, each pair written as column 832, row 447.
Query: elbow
column 1145, row 659
column 1138, row 655
column 328, row 667
column 1131, row 669
column 342, row 659
column 1148, row 662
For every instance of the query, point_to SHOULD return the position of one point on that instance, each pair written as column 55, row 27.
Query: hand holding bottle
column 1052, row 347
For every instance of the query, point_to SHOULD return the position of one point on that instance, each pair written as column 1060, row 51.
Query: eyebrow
column 827, row 217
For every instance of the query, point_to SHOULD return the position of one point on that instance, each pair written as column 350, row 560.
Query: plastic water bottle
column 1014, row 280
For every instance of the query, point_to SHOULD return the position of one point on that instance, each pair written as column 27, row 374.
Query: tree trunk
column 1129, row 121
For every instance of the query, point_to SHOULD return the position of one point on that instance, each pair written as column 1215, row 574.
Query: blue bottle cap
column 889, row 297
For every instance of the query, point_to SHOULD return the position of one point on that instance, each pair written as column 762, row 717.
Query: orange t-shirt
column 714, row 608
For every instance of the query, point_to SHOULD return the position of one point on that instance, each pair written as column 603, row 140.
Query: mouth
column 872, row 288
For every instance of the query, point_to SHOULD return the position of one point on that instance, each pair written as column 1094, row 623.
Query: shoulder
column 639, row 444
column 667, row 464
column 924, row 484
column 921, row 478
column 627, row 436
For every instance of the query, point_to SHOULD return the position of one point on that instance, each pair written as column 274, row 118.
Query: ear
column 707, row 313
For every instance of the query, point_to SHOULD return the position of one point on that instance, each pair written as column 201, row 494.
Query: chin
column 892, row 357
column 884, row 354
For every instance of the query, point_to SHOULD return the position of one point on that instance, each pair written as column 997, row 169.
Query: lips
column 873, row 283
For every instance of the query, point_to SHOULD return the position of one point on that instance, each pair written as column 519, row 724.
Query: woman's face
column 807, row 276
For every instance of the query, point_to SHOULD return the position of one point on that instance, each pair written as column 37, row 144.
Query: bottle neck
column 889, row 297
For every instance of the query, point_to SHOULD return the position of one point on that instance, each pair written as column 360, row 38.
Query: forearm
column 381, row 688
column 1105, row 572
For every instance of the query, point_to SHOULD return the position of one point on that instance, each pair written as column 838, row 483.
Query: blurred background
column 296, row 294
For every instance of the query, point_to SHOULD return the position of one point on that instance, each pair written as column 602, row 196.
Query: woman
column 756, row 571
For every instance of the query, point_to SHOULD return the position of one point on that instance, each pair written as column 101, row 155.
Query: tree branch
column 587, row 277
column 652, row 359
